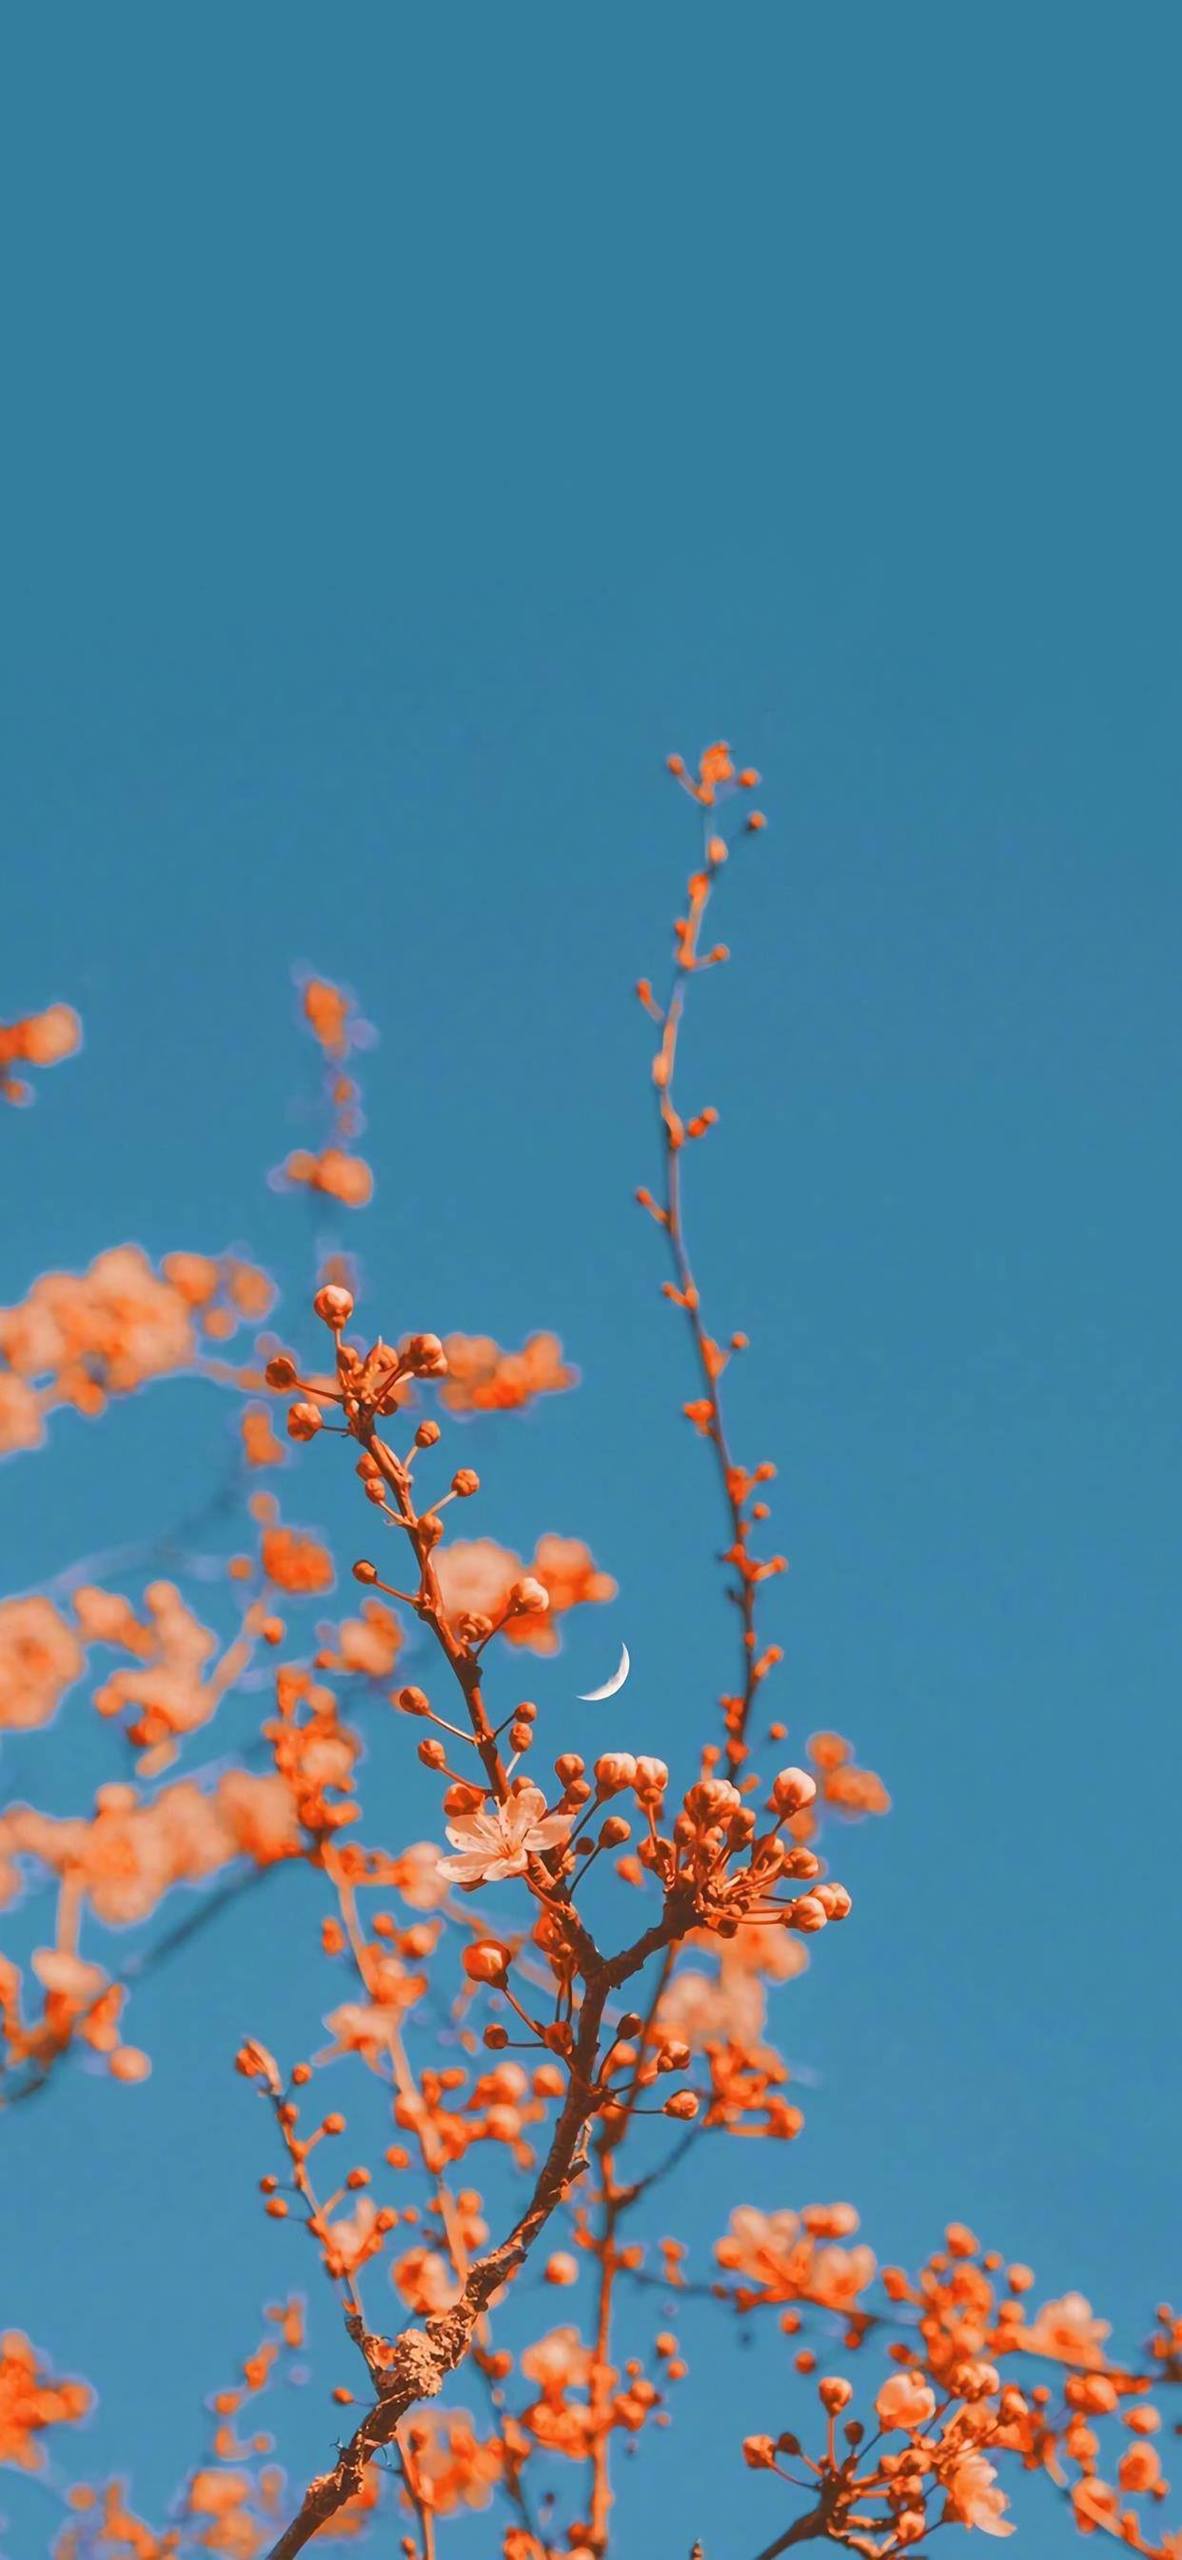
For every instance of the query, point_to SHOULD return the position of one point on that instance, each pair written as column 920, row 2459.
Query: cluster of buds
column 314, row 1752
column 946, row 2415
column 526, row 1597
column 889, row 2488
column 716, row 776
column 347, row 2226
column 366, row 1384
column 718, row 1852
column 38, row 1040
column 743, row 2090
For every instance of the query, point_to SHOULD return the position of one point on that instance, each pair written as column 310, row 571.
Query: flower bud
column 433, row 1754
column 465, row 1481
column 304, row 1420
column 791, row 1791
column 424, row 1353
column 711, row 1802
column 364, row 1571
column 807, row 1912
column 486, row 1961
column 427, row 1435
column 652, row 1777
column 333, row 1306
column 255, row 2063
column 759, row 2453
column 614, row 1770
column 804, row 1864
column 280, row 1372
column 414, row 1702
column 528, row 1595
column 682, row 2104
column 463, row 1798
column 835, row 2394
column 975, row 2380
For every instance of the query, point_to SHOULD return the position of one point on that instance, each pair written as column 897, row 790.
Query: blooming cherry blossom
column 499, row 1843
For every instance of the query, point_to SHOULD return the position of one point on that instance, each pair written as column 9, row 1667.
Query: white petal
column 547, row 1834
column 471, row 1831
column 512, row 1864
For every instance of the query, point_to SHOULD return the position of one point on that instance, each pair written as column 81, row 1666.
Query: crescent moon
column 588, row 1697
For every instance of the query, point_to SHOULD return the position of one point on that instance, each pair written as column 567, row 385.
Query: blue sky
column 416, row 426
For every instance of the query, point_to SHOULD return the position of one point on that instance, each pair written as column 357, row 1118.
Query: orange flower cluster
column 79, row 2004
column 334, row 1170
column 965, row 2400
column 721, row 2010
column 315, row 1753
column 80, row 1338
column 41, row 1656
column 174, row 1686
column 40, row 1040
column 132, row 1852
column 455, row 2111
column 841, row 1784
column 119, row 1865
column 478, row 1580
column 106, row 2528
column 330, row 1015
column 481, row 1378
column 797, row 2257
column 578, row 2402
column 368, row 1645
column 295, row 1562
column 260, row 1447
column 31, row 2401
column 449, row 2464
column 172, row 1689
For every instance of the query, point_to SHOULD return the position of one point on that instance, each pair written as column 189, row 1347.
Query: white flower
column 973, row 2499
column 501, row 1841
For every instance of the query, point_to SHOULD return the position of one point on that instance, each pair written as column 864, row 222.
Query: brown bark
column 423, row 2357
